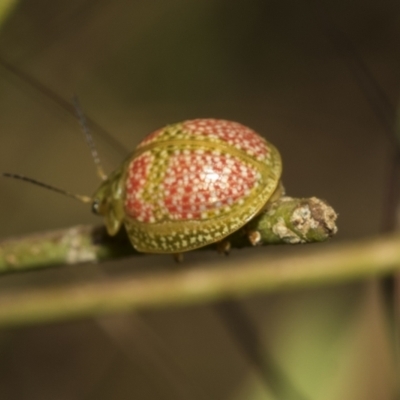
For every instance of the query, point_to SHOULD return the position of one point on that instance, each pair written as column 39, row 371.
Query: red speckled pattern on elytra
column 233, row 133
column 191, row 181
column 139, row 170
column 193, row 184
column 197, row 183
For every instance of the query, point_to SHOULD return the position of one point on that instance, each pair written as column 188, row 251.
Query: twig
column 6, row 7
column 338, row 263
column 287, row 220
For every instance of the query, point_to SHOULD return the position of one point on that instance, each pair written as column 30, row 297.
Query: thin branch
column 338, row 263
column 6, row 8
column 287, row 220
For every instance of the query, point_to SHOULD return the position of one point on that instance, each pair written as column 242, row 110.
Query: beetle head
column 108, row 202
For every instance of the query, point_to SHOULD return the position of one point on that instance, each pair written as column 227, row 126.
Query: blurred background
column 298, row 72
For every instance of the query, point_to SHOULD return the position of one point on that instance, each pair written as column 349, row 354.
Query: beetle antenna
column 89, row 138
column 60, row 102
column 83, row 199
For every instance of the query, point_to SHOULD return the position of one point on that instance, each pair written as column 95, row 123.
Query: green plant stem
column 338, row 263
column 6, row 7
column 287, row 220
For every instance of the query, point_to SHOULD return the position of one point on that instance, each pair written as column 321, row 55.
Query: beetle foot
column 254, row 237
column 224, row 247
column 178, row 257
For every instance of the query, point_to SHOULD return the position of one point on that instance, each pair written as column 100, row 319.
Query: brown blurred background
column 288, row 69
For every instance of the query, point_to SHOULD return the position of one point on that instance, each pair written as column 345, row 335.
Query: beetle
column 185, row 186
column 190, row 184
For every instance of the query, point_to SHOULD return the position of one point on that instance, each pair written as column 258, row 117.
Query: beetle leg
column 178, row 257
column 254, row 237
column 224, row 247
